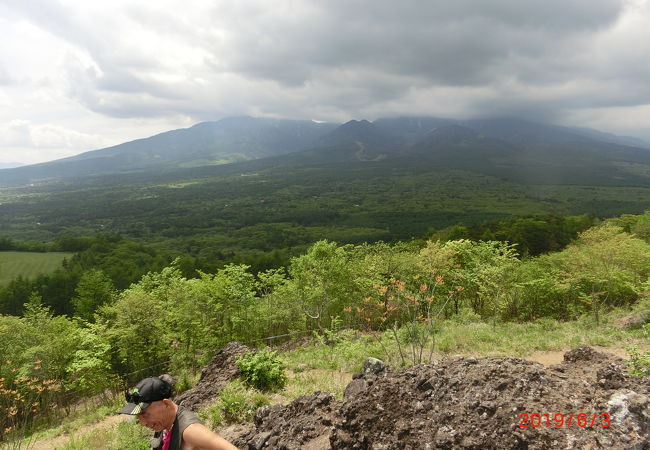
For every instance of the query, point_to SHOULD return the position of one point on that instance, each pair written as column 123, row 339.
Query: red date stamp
column 559, row 420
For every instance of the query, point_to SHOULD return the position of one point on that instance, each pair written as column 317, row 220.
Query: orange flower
column 423, row 287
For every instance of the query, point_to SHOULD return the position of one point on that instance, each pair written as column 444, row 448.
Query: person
column 175, row 427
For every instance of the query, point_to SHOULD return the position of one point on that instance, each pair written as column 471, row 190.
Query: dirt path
column 61, row 440
column 549, row 358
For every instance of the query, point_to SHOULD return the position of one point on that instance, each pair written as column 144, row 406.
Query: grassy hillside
column 28, row 264
column 328, row 367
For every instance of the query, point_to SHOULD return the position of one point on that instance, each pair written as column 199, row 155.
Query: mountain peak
column 359, row 131
column 357, row 124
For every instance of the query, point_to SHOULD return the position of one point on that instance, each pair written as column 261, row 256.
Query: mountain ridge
column 486, row 145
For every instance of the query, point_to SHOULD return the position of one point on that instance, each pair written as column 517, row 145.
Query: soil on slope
column 214, row 377
column 476, row 403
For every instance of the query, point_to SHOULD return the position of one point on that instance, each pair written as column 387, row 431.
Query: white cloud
column 22, row 141
column 53, row 136
column 16, row 133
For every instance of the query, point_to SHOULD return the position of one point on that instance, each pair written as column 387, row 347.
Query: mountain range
column 509, row 148
column 242, row 186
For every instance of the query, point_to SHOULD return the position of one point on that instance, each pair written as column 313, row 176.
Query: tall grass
column 123, row 436
column 476, row 338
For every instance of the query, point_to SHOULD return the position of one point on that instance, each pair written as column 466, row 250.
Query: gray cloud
column 341, row 59
column 453, row 42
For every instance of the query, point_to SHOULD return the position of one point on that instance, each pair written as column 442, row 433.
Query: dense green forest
column 244, row 210
column 122, row 261
column 127, row 323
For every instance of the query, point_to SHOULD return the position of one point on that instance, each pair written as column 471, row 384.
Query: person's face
column 155, row 416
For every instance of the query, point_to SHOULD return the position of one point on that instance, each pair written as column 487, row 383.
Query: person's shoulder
column 187, row 415
column 198, row 436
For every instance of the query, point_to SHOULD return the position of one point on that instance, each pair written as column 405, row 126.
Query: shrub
column 186, row 381
column 262, row 370
column 235, row 408
column 212, row 415
column 639, row 363
column 236, row 404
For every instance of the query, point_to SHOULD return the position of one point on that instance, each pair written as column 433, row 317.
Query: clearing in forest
column 28, row 264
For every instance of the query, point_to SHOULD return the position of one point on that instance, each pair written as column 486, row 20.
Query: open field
column 28, row 264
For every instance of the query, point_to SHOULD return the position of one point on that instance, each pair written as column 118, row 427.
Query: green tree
column 605, row 266
column 322, row 282
column 135, row 326
column 482, row 269
column 93, row 290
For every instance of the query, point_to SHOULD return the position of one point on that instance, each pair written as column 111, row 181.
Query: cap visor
column 133, row 408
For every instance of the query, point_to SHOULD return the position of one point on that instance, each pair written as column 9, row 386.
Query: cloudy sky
column 77, row 75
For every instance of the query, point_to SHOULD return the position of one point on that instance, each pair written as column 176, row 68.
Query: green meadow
column 28, row 264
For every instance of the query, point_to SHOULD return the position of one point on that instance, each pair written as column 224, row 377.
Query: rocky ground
column 214, row 377
column 587, row 401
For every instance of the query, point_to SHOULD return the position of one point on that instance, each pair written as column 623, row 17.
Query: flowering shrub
column 23, row 398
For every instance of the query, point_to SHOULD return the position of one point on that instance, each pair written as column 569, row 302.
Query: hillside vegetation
column 410, row 293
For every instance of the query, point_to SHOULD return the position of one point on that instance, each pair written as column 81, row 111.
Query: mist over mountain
column 207, row 143
column 508, row 148
column 10, row 165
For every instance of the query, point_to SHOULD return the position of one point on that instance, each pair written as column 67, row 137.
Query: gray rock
column 630, row 410
column 355, row 387
column 260, row 440
column 374, row 366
